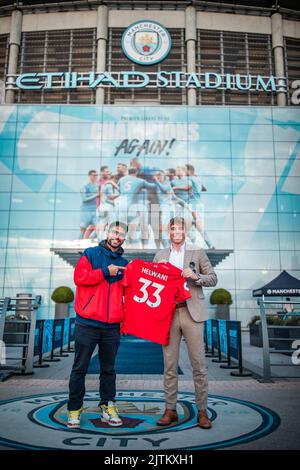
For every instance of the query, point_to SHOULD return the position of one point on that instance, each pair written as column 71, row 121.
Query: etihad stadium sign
column 138, row 79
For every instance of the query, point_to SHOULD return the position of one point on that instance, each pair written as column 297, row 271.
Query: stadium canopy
column 283, row 285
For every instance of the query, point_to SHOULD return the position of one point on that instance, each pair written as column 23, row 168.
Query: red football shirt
column 151, row 293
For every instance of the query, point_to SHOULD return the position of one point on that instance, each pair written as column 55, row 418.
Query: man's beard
column 113, row 246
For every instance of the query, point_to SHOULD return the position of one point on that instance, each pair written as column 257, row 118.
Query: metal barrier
column 18, row 333
column 267, row 350
column 225, row 337
column 40, row 337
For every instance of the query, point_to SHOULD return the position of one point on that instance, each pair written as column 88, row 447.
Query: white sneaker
column 110, row 414
column 74, row 418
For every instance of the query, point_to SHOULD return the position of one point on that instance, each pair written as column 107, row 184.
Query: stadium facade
column 207, row 89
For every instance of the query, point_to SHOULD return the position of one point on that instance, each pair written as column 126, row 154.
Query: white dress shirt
column 177, row 256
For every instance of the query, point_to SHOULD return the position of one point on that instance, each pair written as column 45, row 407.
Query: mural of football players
column 89, row 194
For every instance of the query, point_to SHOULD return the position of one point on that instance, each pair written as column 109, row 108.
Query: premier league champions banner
column 68, row 171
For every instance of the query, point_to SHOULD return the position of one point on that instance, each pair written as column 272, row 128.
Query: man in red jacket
column 99, row 309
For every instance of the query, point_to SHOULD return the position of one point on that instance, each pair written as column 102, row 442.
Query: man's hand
column 113, row 269
column 189, row 274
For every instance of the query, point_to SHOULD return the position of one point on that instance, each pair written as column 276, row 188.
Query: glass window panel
column 64, row 235
column 4, row 219
column 254, row 278
column 289, row 222
column 290, row 260
column 7, row 148
column 214, row 132
column 289, row 203
column 27, row 278
column 285, row 149
column 288, row 185
column 217, row 203
column 209, row 149
column 31, row 220
column 213, row 221
column 42, row 113
column 78, row 113
column 79, row 148
column 81, row 130
column 41, row 131
column 221, row 240
column 36, row 148
column 252, row 167
column 257, row 259
column 253, row 185
column 6, row 165
column 3, row 238
column 218, row 184
column 252, row 149
column 7, row 131
column 225, row 279
column 70, row 183
column 227, row 263
column 68, row 201
column 208, row 115
column 287, row 114
column 33, row 183
column 79, row 166
column 26, row 238
column 248, row 115
column 136, row 113
column 4, row 201
column 256, row 240
column 255, row 203
column 67, row 220
column 289, row 240
column 8, row 112
column 39, row 165
column 287, row 132
column 2, row 279
column 166, row 113
column 5, row 183
column 207, row 166
column 251, row 132
column 32, row 201
column 286, row 168
column 258, row 222
column 25, row 258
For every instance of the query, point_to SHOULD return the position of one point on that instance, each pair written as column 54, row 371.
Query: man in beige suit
column 188, row 322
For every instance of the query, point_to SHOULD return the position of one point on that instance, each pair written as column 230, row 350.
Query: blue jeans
column 86, row 339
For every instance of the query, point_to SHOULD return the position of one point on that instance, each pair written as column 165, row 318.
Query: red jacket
column 99, row 296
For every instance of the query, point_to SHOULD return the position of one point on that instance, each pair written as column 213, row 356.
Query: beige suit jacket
column 208, row 278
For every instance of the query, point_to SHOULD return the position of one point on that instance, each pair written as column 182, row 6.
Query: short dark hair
column 132, row 171
column 190, row 167
column 177, row 221
column 103, row 167
column 171, row 170
column 92, row 171
column 118, row 223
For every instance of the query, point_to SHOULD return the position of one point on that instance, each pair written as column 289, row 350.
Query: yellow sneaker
column 74, row 418
column 110, row 414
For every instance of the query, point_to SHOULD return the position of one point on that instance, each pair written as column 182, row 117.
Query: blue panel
column 34, row 219
column 208, row 115
column 254, row 133
column 250, row 115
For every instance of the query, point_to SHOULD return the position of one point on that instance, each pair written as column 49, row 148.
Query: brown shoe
column 167, row 418
column 203, row 420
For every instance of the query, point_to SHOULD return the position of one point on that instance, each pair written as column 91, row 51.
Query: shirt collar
column 182, row 248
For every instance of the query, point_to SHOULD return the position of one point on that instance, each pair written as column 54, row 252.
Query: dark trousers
column 86, row 339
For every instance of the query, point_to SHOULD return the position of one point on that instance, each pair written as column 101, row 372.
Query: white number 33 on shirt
column 146, row 283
